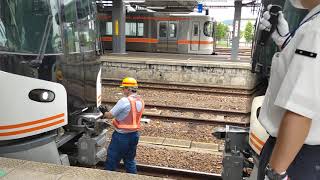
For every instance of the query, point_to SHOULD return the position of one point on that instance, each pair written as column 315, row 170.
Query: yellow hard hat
column 129, row 82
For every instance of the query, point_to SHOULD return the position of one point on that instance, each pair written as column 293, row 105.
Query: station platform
column 14, row 169
column 186, row 69
column 177, row 58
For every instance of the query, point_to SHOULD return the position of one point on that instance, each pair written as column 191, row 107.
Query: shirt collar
column 312, row 12
column 133, row 94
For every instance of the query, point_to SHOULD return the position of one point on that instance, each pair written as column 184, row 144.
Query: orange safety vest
column 132, row 121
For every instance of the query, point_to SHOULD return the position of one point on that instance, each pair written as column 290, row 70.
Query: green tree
column 248, row 32
column 241, row 34
column 221, row 31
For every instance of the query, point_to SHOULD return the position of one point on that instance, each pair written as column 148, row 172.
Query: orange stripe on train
column 193, row 42
column 31, row 122
column 152, row 40
column 257, row 139
column 108, row 17
column 143, row 40
column 255, row 144
column 12, row 133
column 139, row 40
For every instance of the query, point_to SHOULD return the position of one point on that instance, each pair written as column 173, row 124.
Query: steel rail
column 188, row 88
column 192, row 119
column 234, row 112
column 167, row 172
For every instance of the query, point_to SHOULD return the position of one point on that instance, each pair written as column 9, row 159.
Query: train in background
column 162, row 32
column 243, row 145
column 50, row 82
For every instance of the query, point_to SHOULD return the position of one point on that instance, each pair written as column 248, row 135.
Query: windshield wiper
column 42, row 49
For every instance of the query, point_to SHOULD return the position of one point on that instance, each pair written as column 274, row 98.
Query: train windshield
column 208, row 28
column 26, row 25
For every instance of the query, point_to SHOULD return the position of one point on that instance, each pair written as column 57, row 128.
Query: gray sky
column 221, row 14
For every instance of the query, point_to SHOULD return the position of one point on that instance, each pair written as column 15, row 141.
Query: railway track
column 187, row 113
column 190, row 103
column 184, row 88
column 166, row 172
column 194, row 115
column 241, row 52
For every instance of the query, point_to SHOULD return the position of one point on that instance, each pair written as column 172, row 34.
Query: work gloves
column 103, row 109
column 281, row 33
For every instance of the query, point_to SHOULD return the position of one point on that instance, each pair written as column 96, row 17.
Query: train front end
column 51, row 88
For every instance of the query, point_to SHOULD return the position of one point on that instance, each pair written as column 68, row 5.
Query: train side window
column 40, row 7
column 86, row 37
column 3, row 37
column 109, row 28
column 208, row 29
column 195, row 30
column 69, row 13
column 172, row 30
column 163, row 29
column 83, row 9
column 70, row 30
column 140, row 29
column 131, row 29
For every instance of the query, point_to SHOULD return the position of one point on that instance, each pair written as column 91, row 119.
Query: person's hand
column 281, row 32
column 103, row 109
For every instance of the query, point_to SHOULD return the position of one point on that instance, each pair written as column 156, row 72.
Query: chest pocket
column 279, row 66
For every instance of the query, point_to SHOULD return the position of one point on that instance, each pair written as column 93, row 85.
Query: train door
column 172, row 36
column 162, row 46
column 195, row 36
column 167, row 35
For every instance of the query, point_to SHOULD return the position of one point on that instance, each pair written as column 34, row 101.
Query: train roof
column 166, row 14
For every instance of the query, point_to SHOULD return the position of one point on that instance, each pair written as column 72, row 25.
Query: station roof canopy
column 168, row 5
column 190, row 5
column 178, row 5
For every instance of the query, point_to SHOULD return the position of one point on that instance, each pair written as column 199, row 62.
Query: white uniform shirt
column 294, row 83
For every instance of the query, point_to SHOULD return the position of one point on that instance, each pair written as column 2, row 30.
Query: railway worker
column 291, row 110
column 127, row 115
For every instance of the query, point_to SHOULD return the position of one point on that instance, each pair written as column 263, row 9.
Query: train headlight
column 41, row 95
column 45, row 96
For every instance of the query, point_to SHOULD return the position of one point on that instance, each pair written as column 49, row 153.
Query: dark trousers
column 305, row 166
column 122, row 146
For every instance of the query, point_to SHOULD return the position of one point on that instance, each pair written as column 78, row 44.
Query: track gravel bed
column 195, row 161
column 180, row 130
column 185, row 99
column 209, row 116
column 179, row 114
column 172, row 87
column 203, row 103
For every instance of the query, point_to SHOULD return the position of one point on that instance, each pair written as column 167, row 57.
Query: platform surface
column 13, row 169
column 178, row 59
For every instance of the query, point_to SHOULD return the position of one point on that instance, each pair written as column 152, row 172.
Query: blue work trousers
column 305, row 166
column 122, row 146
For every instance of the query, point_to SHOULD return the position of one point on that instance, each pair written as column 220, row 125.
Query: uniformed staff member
column 127, row 113
column 291, row 110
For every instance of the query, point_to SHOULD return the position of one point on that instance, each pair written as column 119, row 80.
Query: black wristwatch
column 273, row 175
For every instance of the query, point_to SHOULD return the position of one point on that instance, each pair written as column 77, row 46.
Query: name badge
column 306, row 53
